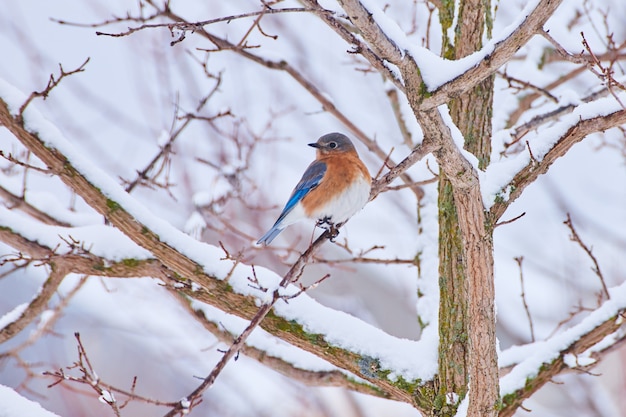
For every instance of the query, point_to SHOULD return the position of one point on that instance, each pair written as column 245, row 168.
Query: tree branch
column 501, row 53
column 547, row 371
column 21, row 204
column 534, row 168
column 37, row 304
column 311, row 378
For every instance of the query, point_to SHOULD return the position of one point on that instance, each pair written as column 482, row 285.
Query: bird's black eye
column 332, row 145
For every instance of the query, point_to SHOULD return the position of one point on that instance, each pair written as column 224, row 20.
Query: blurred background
column 214, row 143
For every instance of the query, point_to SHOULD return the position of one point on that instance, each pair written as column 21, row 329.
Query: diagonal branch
column 37, row 305
column 534, row 168
column 512, row 401
column 495, row 54
column 334, row 378
column 52, row 83
column 502, row 51
column 379, row 40
column 21, row 204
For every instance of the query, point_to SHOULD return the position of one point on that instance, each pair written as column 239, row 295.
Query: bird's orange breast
column 342, row 170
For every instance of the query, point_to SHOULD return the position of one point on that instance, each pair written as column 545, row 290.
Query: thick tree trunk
column 466, row 312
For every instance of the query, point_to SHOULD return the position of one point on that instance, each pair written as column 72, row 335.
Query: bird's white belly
column 346, row 204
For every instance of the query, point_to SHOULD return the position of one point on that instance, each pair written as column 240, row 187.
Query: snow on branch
column 504, row 182
column 280, row 356
column 471, row 70
column 443, row 79
column 381, row 32
column 14, row 405
column 547, row 358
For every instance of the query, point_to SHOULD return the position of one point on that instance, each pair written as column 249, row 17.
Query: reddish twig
column 596, row 269
column 52, row 82
column 519, row 261
column 90, row 378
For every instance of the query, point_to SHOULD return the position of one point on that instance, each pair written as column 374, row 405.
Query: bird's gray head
column 332, row 143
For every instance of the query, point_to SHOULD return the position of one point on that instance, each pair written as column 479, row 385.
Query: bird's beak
column 314, row 145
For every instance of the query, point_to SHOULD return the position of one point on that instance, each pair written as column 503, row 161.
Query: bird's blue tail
column 270, row 235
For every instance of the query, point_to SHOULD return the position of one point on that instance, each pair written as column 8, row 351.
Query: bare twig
column 89, row 377
column 502, row 223
column 525, row 84
column 603, row 72
column 52, row 82
column 575, row 237
column 166, row 149
column 415, row 184
column 26, row 165
column 189, row 26
column 519, row 261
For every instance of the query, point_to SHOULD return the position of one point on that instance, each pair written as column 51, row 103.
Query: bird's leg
column 327, row 224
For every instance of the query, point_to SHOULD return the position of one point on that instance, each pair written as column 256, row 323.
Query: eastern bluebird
column 333, row 188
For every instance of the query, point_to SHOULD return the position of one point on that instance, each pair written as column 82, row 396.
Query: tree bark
column 466, row 311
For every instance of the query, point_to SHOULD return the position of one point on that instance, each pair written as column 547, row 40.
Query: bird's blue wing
column 311, row 179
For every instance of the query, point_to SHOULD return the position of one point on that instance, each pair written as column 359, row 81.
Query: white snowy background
column 116, row 113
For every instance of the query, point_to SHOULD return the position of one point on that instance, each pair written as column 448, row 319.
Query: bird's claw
column 326, row 224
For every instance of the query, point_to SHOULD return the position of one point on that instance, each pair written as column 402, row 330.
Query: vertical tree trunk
column 461, row 301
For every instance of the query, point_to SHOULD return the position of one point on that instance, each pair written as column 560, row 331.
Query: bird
column 333, row 188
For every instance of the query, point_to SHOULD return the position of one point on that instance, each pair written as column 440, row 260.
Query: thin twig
column 519, row 261
column 525, row 84
column 52, row 82
column 166, row 149
column 576, row 238
column 90, row 378
column 192, row 26
column 510, row 220
column 23, row 164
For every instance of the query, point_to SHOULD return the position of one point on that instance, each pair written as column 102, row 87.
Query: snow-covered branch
column 478, row 66
column 599, row 331
column 590, row 118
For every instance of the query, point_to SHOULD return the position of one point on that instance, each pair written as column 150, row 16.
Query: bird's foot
column 326, row 224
